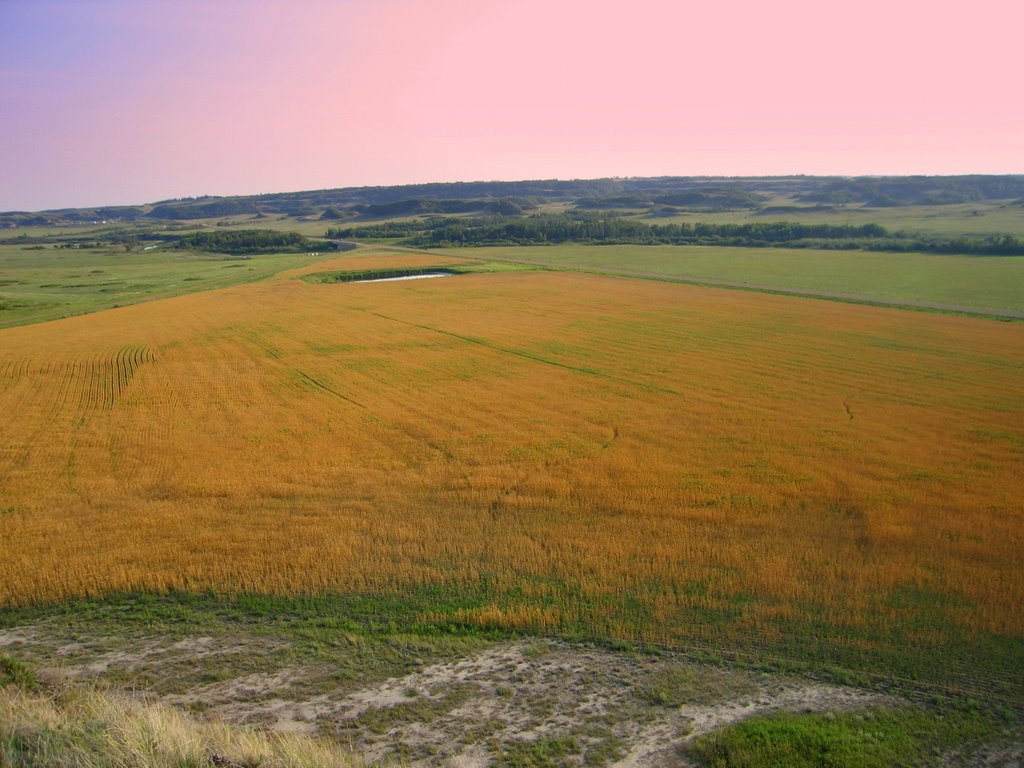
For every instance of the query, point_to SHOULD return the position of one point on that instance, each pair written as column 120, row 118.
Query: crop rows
column 545, row 451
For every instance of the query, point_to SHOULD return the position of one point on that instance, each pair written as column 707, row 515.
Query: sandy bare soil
column 586, row 705
column 462, row 703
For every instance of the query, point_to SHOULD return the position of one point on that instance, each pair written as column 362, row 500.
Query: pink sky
column 128, row 101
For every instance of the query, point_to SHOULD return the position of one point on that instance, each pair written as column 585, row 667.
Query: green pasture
column 988, row 218
column 46, row 282
column 988, row 282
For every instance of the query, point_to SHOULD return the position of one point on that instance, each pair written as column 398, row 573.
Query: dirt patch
column 598, row 706
column 91, row 659
column 986, row 756
column 17, row 637
column 525, row 702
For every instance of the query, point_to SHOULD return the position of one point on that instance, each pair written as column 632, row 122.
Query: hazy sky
column 129, row 101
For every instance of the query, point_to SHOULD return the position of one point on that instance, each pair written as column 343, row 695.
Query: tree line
column 554, row 229
column 577, row 228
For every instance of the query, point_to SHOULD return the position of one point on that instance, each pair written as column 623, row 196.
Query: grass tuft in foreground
column 15, row 673
column 90, row 729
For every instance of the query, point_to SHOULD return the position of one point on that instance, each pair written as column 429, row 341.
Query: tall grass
column 91, row 729
column 556, row 452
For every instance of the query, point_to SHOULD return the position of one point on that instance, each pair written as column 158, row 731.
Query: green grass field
column 984, row 218
column 39, row 283
column 874, row 738
column 991, row 282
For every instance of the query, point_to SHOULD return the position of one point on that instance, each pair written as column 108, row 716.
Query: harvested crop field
column 544, row 451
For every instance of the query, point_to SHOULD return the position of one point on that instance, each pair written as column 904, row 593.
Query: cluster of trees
column 243, row 241
column 388, row 230
column 562, row 228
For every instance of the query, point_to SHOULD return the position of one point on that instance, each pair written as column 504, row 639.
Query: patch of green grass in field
column 421, row 709
column 989, row 282
column 16, row 673
column 544, row 752
column 874, row 738
column 692, row 685
column 39, row 284
column 376, row 635
column 310, row 615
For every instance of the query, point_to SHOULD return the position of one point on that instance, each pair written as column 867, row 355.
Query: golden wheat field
column 571, row 447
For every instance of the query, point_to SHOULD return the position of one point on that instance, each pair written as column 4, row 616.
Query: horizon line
column 516, row 181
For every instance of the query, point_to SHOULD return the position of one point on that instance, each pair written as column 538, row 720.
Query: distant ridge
column 692, row 192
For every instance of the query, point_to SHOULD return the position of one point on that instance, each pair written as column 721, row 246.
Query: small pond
column 423, row 276
column 380, row 275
